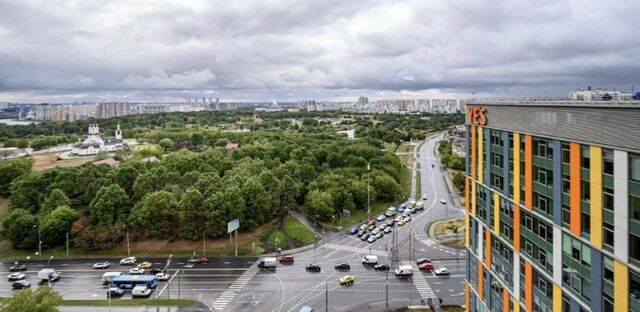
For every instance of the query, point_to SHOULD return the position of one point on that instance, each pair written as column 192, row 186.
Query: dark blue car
column 354, row 230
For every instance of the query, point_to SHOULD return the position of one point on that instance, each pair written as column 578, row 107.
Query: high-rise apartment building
column 553, row 206
column 112, row 109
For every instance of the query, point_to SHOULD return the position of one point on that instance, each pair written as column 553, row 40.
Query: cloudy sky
column 65, row 50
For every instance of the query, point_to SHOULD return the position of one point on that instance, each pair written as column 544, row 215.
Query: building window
column 634, row 207
column 586, row 223
column 608, row 162
column 585, row 190
column 608, row 234
column 565, row 153
column 607, row 198
column 634, row 246
column 585, row 161
column 634, row 167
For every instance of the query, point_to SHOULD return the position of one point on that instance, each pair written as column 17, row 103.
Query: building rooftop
column 556, row 103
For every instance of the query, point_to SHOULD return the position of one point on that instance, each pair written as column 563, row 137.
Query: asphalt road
column 290, row 287
column 79, row 281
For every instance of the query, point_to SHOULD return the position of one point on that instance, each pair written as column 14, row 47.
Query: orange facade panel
column 467, row 297
column 505, row 300
column 467, row 190
column 528, row 172
column 528, row 286
column 473, row 152
column 574, row 189
column 480, row 288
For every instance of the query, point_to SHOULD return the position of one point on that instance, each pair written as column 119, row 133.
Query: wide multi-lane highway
column 236, row 284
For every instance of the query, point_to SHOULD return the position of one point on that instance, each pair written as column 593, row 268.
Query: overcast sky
column 56, row 51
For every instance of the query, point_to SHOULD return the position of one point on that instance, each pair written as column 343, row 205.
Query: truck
column 48, row 275
column 419, row 205
column 404, row 271
column 267, row 262
column 370, row 259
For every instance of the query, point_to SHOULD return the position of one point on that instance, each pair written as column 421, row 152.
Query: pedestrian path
column 221, row 302
column 424, row 289
column 358, row 250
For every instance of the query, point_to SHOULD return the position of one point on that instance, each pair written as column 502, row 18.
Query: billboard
column 233, row 225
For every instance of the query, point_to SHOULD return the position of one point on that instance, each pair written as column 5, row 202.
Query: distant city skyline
column 61, row 52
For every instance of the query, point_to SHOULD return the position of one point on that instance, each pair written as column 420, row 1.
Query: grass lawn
column 405, row 181
column 300, row 233
column 276, row 239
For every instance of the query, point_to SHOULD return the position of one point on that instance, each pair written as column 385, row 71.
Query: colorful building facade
column 553, row 206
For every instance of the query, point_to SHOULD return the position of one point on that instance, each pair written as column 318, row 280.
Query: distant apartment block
column 111, row 109
column 64, row 112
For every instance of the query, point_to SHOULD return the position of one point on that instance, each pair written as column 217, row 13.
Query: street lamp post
column 128, row 249
column 39, row 240
column 368, row 192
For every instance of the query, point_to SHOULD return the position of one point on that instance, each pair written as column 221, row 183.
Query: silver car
column 372, row 239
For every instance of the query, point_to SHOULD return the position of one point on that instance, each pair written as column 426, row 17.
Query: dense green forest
column 189, row 193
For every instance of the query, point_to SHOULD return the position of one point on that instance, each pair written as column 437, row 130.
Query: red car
column 202, row 259
column 428, row 266
column 286, row 259
column 371, row 222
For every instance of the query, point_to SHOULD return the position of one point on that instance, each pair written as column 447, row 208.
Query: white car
column 16, row 276
column 443, row 201
column 424, row 196
column 441, row 271
column 162, row 276
column 101, row 265
column 136, row 271
column 375, row 231
column 128, row 260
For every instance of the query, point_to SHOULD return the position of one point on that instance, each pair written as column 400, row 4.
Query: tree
column 257, row 202
column 56, row 224
column 215, row 223
column 43, row 299
column 24, row 192
column 19, row 228
column 233, row 204
column 320, row 203
column 146, row 183
column 10, row 170
column 166, row 144
column 288, row 194
column 55, row 199
column 109, row 205
column 156, row 213
column 191, row 216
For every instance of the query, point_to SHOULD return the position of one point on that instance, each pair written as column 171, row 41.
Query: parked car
column 441, row 271
column 128, row 260
column 372, row 239
column 365, row 236
column 162, row 276
column 287, row 259
column 424, row 196
column 387, row 230
column 423, row 260
column 361, row 232
column 371, row 228
column 401, row 222
column 379, row 235
column 346, row 280
column 101, row 265
column 407, row 219
column 20, row 284
column 388, row 214
column 364, row 226
column 115, row 292
column 145, row 265
column 313, row 267
column 381, row 267
column 354, row 230
column 382, row 226
column 136, row 271
column 443, row 201
column 16, row 276
column 398, row 218
column 425, row 266
column 381, row 218
column 342, row 266
column 371, row 222
column 375, row 231
column 391, row 222
column 18, row 267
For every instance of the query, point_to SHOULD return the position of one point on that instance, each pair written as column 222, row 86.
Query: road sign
column 233, row 225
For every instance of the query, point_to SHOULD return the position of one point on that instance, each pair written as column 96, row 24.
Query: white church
column 93, row 142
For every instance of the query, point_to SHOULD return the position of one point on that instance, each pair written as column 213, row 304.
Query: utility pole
column 326, row 291
column 410, row 247
column 236, row 242
column 128, row 249
column 179, row 284
column 368, row 193
column 387, row 286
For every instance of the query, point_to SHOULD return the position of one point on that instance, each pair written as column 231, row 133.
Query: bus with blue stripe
column 131, row 281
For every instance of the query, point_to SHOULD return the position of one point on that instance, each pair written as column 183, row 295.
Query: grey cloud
column 321, row 49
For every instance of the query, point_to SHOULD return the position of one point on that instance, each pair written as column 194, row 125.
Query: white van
column 141, row 291
column 107, row 277
column 404, row 271
column 370, row 259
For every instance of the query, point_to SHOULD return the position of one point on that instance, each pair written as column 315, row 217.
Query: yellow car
column 145, row 265
column 401, row 222
column 346, row 280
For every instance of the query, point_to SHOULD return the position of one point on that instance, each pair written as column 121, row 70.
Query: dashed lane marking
column 357, row 250
column 228, row 295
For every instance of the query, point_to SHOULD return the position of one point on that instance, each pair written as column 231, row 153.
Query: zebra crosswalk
column 357, row 250
column 424, row 289
column 221, row 302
